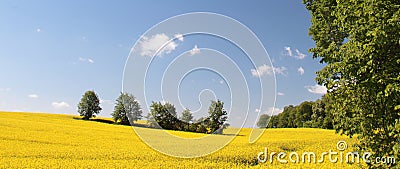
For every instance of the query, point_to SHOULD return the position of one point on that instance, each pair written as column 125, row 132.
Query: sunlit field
column 32, row 140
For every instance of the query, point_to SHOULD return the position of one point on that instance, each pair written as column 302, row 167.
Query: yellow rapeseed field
column 34, row 140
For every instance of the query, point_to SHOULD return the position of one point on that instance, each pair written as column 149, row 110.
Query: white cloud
column 300, row 70
column 264, row 69
column 106, row 102
column 195, row 50
column 38, row 30
column 151, row 45
column 299, row 55
column 273, row 111
column 33, row 96
column 288, row 51
column 280, row 94
column 316, row 89
column 89, row 60
column 163, row 102
column 179, row 37
column 60, row 105
column 5, row 89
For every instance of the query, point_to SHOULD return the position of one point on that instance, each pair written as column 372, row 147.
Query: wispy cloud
column 272, row 111
column 299, row 55
column 88, row 60
column 300, row 70
column 38, row 30
column 106, row 102
column 316, row 89
column 150, row 45
column 5, row 89
column 276, row 111
column 280, row 94
column 195, row 50
column 60, row 105
column 179, row 37
column 268, row 70
column 33, row 96
column 288, row 51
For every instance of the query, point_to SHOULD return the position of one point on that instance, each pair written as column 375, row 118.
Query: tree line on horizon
column 309, row 114
column 127, row 111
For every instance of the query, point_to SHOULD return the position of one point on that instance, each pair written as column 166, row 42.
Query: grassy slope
column 47, row 140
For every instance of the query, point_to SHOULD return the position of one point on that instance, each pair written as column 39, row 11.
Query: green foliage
column 187, row 116
column 307, row 114
column 217, row 116
column 359, row 40
column 303, row 113
column 89, row 106
column 164, row 115
column 151, row 121
column 127, row 109
column 201, row 129
column 263, row 121
column 186, row 120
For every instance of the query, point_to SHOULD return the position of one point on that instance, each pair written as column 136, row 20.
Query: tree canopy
column 307, row 114
column 127, row 109
column 359, row 41
column 89, row 106
column 217, row 116
column 165, row 116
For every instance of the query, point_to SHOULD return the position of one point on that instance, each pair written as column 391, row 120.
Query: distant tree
column 172, row 116
column 192, row 127
column 273, row 122
column 286, row 119
column 263, row 121
column 127, row 109
column 164, row 115
column 217, row 116
column 303, row 113
column 89, row 106
column 187, row 116
column 186, row 119
column 200, row 120
column 320, row 117
column 201, row 129
column 151, row 121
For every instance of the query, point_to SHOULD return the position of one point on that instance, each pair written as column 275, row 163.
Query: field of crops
column 32, row 140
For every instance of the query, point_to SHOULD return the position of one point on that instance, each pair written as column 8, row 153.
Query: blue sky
column 52, row 52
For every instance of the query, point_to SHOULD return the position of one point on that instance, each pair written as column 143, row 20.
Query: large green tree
column 359, row 41
column 217, row 116
column 187, row 116
column 89, row 106
column 164, row 115
column 186, row 120
column 126, row 109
